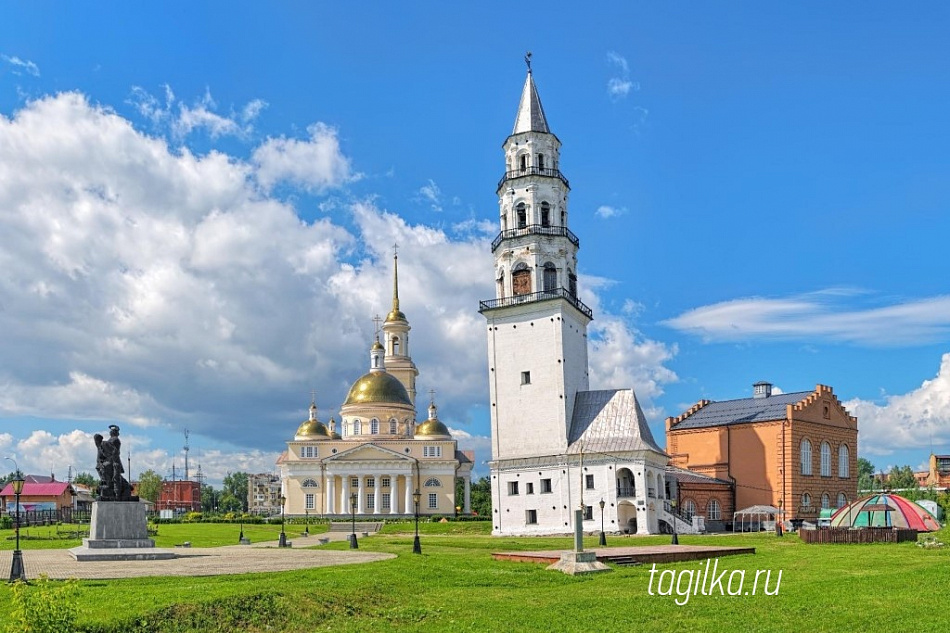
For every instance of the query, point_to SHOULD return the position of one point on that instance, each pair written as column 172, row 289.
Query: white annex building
column 381, row 455
column 556, row 445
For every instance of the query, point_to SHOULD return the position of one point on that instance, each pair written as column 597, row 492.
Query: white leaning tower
column 555, row 444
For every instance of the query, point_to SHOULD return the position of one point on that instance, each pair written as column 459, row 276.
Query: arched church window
column 572, row 284
column 545, row 214
column 522, row 213
column 393, row 424
column 432, row 482
column 309, row 483
column 563, row 218
column 357, row 427
column 374, row 426
column 550, row 277
column 521, row 280
column 540, row 161
column 524, row 162
column 394, row 346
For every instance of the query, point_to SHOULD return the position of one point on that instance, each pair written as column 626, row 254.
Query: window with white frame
column 713, row 510
column 370, row 501
column 529, row 488
column 433, row 500
column 825, row 459
column 432, row 451
column 357, row 427
column 844, row 461
column 825, row 501
column 689, row 508
column 805, row 453
column 385, row 482
column 393, row 426
column 308, row 501
column 308, row 451
column 374, row 426
column 386, row 501
column 432, row 482
column 309, row 483
column 806, row 500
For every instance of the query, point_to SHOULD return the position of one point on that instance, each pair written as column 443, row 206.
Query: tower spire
column 395, row 314
column 530, row 117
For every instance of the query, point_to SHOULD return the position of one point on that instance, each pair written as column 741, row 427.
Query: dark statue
column 112, row 485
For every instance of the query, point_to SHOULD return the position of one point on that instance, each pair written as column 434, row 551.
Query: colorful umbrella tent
column 885, row 510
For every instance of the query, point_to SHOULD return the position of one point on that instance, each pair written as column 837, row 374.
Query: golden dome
column 432, row 427
column 377, row 345
column 395, row 315
column 312, row 428
column 377, row 386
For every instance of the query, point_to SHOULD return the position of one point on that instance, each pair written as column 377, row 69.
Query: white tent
column 755, row 518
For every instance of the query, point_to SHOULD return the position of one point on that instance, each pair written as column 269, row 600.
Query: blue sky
column 198, row 207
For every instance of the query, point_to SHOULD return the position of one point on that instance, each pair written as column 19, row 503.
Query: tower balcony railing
column 535, row 229
column 543, row 295
column 533, row 171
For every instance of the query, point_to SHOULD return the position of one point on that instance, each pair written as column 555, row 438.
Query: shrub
column 44, row 607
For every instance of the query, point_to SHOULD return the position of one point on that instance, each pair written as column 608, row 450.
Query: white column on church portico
column 378, row 494
column 408, row 495
column 331, row 491
column 467, row 508
column 361, row 493
column 394, row 494
column 344, row 494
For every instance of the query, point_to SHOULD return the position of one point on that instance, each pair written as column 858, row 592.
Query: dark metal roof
column 691, row 477
column 742, row 411
column 609, row 421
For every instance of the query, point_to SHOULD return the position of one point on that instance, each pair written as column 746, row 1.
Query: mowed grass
column 455, row 585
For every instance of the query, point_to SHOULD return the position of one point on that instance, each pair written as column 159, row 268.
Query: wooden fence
column 860, row 535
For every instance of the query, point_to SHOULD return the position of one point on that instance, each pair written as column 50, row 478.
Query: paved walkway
column 193, row 561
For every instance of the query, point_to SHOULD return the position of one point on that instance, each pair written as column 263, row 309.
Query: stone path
column 193, row 561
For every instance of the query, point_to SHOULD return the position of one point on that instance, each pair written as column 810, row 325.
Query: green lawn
column 455, row 585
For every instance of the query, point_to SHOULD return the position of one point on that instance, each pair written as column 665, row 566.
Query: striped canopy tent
column 885, row 510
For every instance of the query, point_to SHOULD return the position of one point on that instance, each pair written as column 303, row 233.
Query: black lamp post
column 306, row 529
column 353, row 543
column 416, row 545
column 282, row 542
column 241, row 537
column 675, row 540
column 17, row 572
column 603, row 537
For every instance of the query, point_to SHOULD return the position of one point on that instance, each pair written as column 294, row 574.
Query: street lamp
column 17, row 572
column 603, row 537
column 282, row 542
column 306, row 529
column 675, row 540
column 353, row 543
column 241, row 537
column 416, row 545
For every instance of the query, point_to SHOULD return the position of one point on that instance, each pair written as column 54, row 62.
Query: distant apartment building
column 263, row 493
column 937, row 475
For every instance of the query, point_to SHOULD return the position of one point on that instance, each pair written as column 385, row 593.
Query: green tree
column 481, row 497
column 865, row 474
column 87, row 480
column 208, row 497
column 150, row 485
column 902, row 478
column 235, row 485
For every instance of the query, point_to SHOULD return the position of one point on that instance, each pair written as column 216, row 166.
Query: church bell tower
column 537, row 326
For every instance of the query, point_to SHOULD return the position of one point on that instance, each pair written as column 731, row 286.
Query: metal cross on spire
column 527, row 60
column 313, row 396
column 377, row 320
column 431, row 396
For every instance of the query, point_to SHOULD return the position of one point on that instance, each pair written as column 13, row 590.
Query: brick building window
column 713, row 510
column 825, row 501
column 842, row 500
column 844, row 461
column 806, row 500
column 825, row 459
column 805, row 453
column 689, row 508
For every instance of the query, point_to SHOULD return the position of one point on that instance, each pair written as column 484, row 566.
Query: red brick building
column 180, row 496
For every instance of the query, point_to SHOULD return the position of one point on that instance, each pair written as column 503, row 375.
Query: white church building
column 556, row 445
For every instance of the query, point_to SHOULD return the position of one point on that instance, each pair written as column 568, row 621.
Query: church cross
column 377, row 320
column 527, row 60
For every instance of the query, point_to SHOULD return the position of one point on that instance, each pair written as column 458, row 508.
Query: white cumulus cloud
column 315, row 164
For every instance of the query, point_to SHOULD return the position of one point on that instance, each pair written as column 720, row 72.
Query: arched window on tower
column 524, row 162
column 374, row 426
column 545, row 214
column 393, row 426
column 521, row 280
column 357, row 427
column 522, row 213
column 563, row 218
column 540, row 161
column 550, row 277
column 572, row 284
column 394, row 346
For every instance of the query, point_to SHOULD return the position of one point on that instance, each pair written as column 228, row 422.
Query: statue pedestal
column 119, row 531
column 576, row 563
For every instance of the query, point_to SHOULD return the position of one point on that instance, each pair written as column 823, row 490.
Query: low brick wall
column 863, row 535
